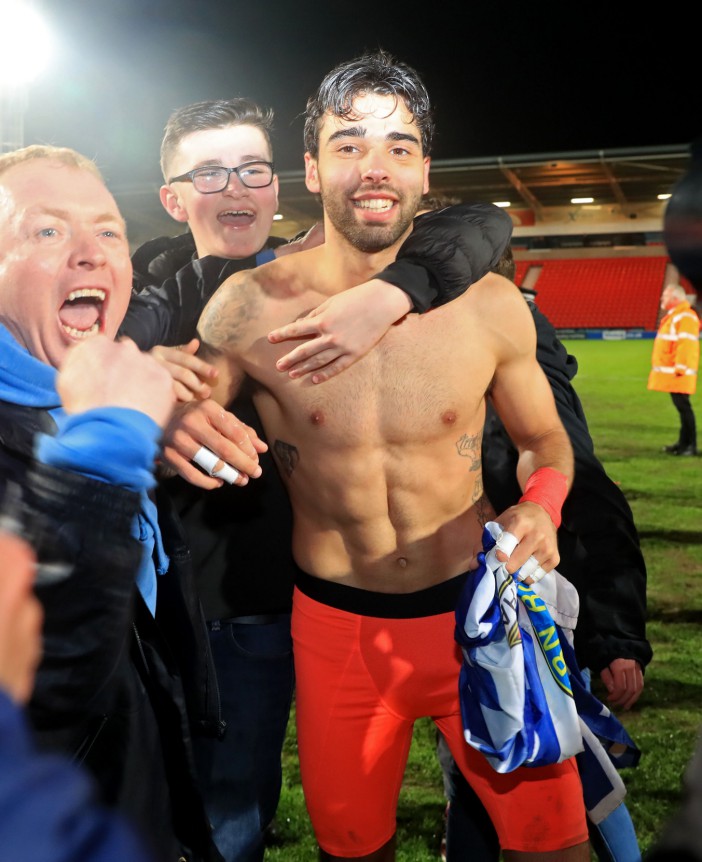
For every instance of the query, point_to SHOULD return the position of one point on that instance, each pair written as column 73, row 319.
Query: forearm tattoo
column 287, row 456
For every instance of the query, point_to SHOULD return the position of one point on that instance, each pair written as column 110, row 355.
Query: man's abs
column 385, row 529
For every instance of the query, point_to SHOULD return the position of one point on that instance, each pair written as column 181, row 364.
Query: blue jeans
column 241, row 774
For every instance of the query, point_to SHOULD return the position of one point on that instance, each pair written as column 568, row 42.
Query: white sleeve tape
column 227, row 473
column 506, row 542
column 531, row 569
column 528, row 569
column 205, row 458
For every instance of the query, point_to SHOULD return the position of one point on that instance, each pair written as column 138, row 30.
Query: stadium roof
column 628, row 179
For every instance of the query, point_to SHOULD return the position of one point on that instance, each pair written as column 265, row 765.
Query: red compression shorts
column 362, row 679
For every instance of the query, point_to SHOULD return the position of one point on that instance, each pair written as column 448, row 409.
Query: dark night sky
column 505, row 78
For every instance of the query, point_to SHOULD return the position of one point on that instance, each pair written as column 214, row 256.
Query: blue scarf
column 524, row 701
column 111, row 444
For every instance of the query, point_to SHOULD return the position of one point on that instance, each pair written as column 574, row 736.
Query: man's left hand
column 535, row 533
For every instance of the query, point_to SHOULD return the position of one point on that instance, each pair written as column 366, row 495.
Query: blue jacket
column 48, row 808
column 117, row 689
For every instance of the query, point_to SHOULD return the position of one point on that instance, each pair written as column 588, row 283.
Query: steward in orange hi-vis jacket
column 675, row 359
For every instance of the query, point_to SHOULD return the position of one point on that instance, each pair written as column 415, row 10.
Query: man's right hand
column 206, row 423
column 99, row 372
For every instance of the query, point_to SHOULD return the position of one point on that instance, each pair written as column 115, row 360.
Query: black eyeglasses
column 215, row 178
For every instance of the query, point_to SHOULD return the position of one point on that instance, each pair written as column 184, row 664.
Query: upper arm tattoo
column 222, row 328
column 228, row 314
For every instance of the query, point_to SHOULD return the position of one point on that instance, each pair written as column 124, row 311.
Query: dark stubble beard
column 369, row 238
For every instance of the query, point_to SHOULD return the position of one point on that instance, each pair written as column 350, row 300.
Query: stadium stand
column 598, row 293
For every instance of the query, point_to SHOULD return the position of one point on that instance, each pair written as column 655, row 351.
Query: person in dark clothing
column 48, row 807
column 244, row 578
column 113, row 689
column 600, row 554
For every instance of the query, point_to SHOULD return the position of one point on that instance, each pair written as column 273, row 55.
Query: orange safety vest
column 676, row 352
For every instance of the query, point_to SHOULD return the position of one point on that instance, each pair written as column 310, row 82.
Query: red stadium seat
column 599, row 293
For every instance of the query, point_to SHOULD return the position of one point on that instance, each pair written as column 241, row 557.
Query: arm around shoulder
column 447, row 251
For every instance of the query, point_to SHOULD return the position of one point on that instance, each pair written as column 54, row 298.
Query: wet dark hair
column 212, row 114
column 370, row 73
column 506, row 265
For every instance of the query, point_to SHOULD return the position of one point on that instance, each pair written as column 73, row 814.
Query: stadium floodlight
column 25, row 49
column 25, row 44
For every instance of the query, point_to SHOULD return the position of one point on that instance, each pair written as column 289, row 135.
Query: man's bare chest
column 427, row 377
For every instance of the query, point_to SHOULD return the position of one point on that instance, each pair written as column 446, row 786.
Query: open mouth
column 81, row 315
column 237, row 218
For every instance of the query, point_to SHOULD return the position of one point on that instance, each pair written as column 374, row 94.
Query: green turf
column 629, row 426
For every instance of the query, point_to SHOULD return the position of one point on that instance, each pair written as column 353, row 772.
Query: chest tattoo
column 286, row 455
column 468, row 446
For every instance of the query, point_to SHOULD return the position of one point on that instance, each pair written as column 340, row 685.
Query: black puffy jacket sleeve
column 171, row 287
column 168, row 313
column 447, row 251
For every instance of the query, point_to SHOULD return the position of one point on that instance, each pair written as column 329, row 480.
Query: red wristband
column 548, row 488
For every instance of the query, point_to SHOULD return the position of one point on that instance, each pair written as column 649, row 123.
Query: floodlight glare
column 25, row 44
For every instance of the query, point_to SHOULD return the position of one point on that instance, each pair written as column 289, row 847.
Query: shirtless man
column 382, row 465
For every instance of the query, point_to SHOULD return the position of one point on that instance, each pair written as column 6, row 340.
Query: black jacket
column 239, row 571
column 240, row 537
column 108, row 691
column 170, row 291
